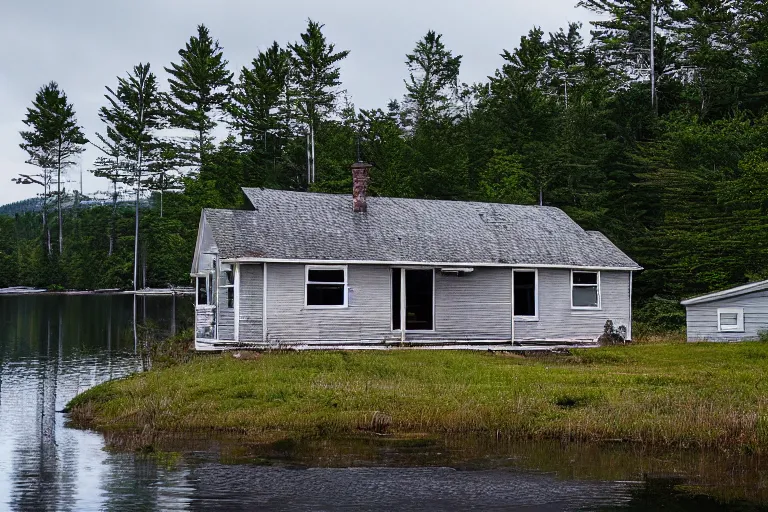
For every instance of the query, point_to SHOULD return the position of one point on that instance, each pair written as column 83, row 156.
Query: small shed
column 736, row 314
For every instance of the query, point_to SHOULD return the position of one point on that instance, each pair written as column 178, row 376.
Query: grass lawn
column 693, row 395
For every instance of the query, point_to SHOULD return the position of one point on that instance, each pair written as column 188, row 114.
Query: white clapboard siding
column 556, row 318
column 475, row 306
column 366, row 319
column 251, row 305
column 701, row 319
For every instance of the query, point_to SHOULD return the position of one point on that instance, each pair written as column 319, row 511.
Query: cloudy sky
column 85, row 44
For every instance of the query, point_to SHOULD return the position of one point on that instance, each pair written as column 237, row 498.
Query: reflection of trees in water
column 89, row 321
column 36, row 464
column 51, row 347
column 674, row 494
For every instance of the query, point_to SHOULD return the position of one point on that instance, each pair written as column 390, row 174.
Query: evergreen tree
column 753, row 28
column 259, row 110
column 111, row 165
column 199, row 89
column 53, row 140
column 521, row 107
column 623, row 38
column 713, row 52
column 566, row 60
column 316, row 78
column 135, row 112
column 432, row 85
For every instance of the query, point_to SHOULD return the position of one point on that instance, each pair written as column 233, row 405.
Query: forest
column 654, row 131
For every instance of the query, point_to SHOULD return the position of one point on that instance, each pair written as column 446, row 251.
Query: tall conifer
column 199, row 88
column 317, row 78
column 53, row 140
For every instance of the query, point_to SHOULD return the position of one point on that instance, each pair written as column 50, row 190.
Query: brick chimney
column 360, row 186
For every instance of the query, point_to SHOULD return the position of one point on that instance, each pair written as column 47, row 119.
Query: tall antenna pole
column 312, row 135
column 566, row 92
column 309, row 166
column 653, row 58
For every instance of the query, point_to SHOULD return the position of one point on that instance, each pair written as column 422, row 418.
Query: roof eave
column 726, row 294
column 427, row 263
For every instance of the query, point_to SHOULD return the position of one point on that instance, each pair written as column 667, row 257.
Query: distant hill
column 33, row 204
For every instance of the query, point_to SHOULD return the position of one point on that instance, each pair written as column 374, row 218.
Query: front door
column 419, row 288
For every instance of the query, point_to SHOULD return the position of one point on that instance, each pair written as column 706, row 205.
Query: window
column 585, row 290
column 228, row 279
column 326, row 286
column 730, row 319
column 419, row 299
column 202, row 290
column 526, row 294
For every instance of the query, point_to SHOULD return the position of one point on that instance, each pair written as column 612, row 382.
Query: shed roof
column 286, row 225
column 725, row 294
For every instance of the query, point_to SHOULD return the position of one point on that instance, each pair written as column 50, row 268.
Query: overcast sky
column 85, row 44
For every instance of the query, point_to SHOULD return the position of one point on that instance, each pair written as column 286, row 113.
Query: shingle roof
column 311, row 226
column 726, row 294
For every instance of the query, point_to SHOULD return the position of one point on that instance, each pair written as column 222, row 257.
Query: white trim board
column 422, row 263
column 725, row 294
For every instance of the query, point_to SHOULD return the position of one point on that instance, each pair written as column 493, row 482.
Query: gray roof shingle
column 311, row 226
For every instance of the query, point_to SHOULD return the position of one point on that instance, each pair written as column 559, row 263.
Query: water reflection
column 52, row 347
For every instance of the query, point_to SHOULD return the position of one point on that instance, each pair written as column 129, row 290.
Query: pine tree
column 623, row 40
column 432, row 85
column 437, row 158
column 259, row 110
column 316, row 78
column 566, row 59
column 54, row 139
column 714, row 53
column 199, row 88
column 753, row 28
column 135, row 112
column 112, row 166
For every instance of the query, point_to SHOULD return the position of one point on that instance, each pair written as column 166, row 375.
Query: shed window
column 326, row 286
column 525, row 293
column 730, row 319
column 585, row 290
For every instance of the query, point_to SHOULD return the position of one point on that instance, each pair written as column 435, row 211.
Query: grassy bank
column 693, row 395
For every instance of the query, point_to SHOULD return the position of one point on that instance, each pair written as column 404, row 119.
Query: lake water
column 52, row 347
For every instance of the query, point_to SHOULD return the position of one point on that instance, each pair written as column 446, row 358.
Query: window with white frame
column 585, row 290
column 326, row 286
column 730, row 319
column 526, row 294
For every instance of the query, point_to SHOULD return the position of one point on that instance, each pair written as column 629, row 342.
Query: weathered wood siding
column 475, row 306
column 558, row 321
column 251, row 304
column 701, row 319
column 225, row 316
column 366, row 320
column 204, row 319
column 207, row 247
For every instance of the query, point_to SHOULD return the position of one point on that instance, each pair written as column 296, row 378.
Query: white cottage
column 736, row 314
column 309, row 270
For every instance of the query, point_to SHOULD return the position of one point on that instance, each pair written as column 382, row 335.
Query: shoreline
column 26, row 290
column 702, row 396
